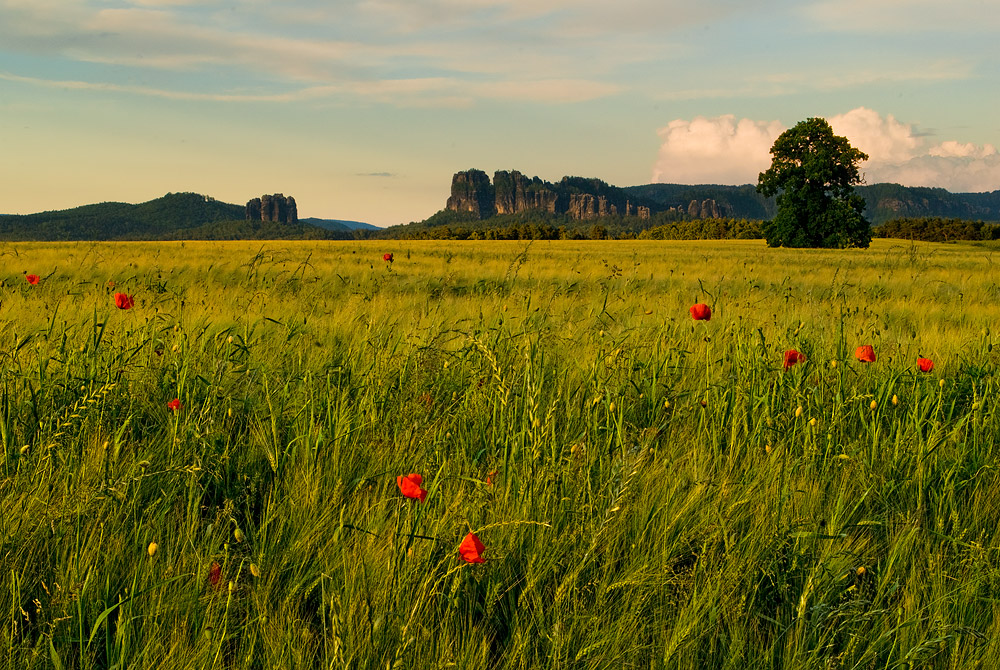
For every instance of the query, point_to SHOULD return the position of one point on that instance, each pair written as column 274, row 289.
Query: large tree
column 814, row 173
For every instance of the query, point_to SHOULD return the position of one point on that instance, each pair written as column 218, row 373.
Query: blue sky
column 363, row 110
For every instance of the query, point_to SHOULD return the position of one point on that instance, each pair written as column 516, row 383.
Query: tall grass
column 665, row 494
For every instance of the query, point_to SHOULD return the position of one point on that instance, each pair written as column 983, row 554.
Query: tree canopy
column 814, row 173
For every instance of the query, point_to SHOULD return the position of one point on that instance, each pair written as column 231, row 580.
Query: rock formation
column 516, row 193
column 275, row 207
column 471, row 191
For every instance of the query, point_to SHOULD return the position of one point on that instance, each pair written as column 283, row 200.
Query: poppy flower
column 701, row 312
column 471, row 549
column 409, row 486
column 865, row 353
column 124, row 301
column 32, row 279
column 215, row 574
column 174, row 404
column 489, row 477
column 925, row 364
column 792, row 357
column 387, row 258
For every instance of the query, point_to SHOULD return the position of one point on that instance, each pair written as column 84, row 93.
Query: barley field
column 215, row 475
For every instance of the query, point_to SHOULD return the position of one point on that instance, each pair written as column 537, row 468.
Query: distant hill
column 338, row 224
column 175, row 216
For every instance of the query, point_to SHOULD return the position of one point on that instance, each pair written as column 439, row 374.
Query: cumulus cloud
column 718, row 150
column 724, row 150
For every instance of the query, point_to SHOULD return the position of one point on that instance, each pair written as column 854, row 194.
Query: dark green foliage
column 705, row 229
column 937, row 229
column 813, row 173
column 739, row 201
column 449, row 225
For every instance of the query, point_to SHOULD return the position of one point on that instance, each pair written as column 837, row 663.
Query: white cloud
column 718, row 150
column 724, row 150
column 884, row 140
column 953, row 149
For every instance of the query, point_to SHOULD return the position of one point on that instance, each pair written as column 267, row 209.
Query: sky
column 363, row 110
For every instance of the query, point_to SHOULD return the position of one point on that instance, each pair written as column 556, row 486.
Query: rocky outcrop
column 471, row 191
column 512, row 192
column 516, row 193
column 274, row 207
column 705, row 209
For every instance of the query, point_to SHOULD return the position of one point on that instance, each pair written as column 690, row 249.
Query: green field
column 665, row 493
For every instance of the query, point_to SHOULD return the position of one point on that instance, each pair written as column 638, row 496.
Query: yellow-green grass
column 661, row 499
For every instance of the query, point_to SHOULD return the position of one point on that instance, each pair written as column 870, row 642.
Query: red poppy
column 124, row 301
column 32, row 279
column 215, row 574
column 701, row 312
column 925, row 364
column 489, row 477
column 387, row 258
column 471, row 549
column 174, row 404
column 409, row 486
column 865, row 353
column 111, row 283
column 792, row 357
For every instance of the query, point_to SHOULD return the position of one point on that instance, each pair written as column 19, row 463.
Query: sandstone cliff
column 274, row 207
column 512, row 192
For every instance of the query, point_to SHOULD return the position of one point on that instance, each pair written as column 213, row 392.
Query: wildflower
column 151, row 549
column 409, row 486
column 792, row 357
column 925, row 364
column 701, row 312
column 124, row 301
column 387, row 258
column 873, row 406
column 32, row 279
column 471, row 549
column 215, row 574
column 865, row 353
column 812, row 421
column 489, row 477
column 833, row 363
column 174, row 404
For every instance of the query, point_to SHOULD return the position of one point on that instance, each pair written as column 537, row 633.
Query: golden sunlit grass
column 651, row 491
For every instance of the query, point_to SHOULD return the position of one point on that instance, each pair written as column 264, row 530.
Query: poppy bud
column 798, row 411
column 895, row 399
column 874, row 405
column 254, row 570
column 151, row 549
column 238, row 534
